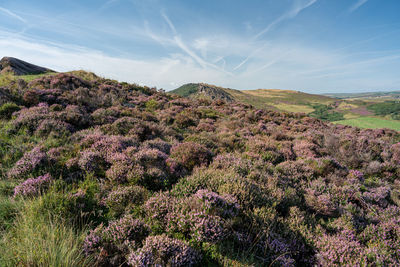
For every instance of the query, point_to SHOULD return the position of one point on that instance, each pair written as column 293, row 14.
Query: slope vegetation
column 94, row 172
column 329, row 108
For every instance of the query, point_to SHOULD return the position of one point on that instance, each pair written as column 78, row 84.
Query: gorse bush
column 97, row 172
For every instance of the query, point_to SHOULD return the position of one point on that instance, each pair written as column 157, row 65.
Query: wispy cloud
column 185, row 48
column 252, row 54
column 357, row 5
column 292, row 13
column 12, row 14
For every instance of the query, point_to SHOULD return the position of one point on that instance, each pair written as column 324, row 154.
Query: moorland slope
column 94, row 172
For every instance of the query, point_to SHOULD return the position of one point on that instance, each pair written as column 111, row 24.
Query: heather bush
column 54, row 127
column 33, row 186
column 111, row 245
column 318, row 198
column 305, row 149
column 29, row 118
column 342, row 249
column 124, row 198
column 164, row 251
column 91, row 161
column 191, row 155
column 29, row 163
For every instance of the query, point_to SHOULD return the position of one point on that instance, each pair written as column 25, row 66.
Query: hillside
column 284, row 100
column 103, row 173
column 346, row 109
column 19, row 67
column 392, row 95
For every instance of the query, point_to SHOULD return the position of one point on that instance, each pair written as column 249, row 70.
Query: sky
column 315, row 46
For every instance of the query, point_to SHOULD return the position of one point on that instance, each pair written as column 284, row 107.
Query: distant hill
column 376, row 108
column 367, row 95
column 202, row 90
column 282, row 100
column 19, row 67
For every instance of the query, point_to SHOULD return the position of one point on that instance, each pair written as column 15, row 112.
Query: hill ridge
column 19, row 67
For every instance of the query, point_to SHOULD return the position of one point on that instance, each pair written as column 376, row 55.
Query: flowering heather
column 305, row 149
column 33, row 186
column 356, row 174
column 378, row 195
column 158, row 206
column 341, row 249
column 164, row 251
column 90, row 161
column 55, row 127
column 30, row 118
column 29, row 162
column 319, row 199
column 111, row 245
column 123, row 198
column 191, row 155
column 225, row 205
column 150, row 173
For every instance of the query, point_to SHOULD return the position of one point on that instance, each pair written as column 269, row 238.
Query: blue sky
column 315, row 46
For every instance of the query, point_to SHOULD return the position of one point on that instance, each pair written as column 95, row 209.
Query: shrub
column 29, row 162
column 7, row 109
column 55, row 127
column 164, row 251
column 340, row 249
column 123, row 198
column 319, row 199
column 91, row 161
column 191, row 154
column 33, row 186
column 111, row 245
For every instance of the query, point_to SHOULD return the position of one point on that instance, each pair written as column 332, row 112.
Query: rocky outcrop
column 214, row 93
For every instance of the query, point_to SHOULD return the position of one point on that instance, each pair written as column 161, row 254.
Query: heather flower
column 318, row 198
column 119, row 171
column 305, row 149
column 90, row 161
column 111, row 245
column 30, row 117
column 191, row 155
column 55, row 127
column 158, row 144
column 341, row 249
column 33, row 186
column 164, row 251
column 356, row 174
column 378, row 195
column 29, row 162
column 76, row 115
column 123, row 198
column 208, row 228
column 157, row 207
column 224, row 205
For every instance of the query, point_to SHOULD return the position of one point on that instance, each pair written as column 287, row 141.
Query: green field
column 371, row 123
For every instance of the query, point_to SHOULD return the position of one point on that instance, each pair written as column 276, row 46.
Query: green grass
column 371, row 123
column 41, row 240
column 186, row 90
column 5, row 79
